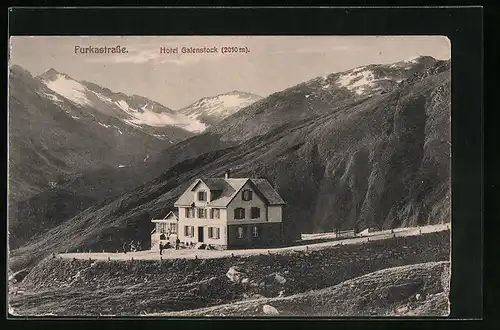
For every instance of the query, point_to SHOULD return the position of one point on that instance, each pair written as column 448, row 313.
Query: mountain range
column 368, row 147
column 51, row 136
column 134, row 110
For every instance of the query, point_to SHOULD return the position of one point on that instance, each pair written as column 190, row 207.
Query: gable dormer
column 200, row 193
column 201, row 196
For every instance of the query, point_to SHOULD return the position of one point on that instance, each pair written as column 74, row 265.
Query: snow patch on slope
column 102, row 97
column 123, row 105
column 104, row 125
column 413, row 59
column 51, row 97
column 357, row 80
column 70, row 89
column 220, row 106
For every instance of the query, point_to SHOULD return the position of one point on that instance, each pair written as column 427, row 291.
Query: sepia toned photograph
column 229, row 176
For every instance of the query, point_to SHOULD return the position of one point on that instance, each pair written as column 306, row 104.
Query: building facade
column 230, row 213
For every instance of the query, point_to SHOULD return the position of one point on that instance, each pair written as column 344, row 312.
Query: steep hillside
column 382, row 161
column 211, row 110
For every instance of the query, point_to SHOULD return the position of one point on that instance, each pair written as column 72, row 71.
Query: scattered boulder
column 12, row 311
column 269, row 310
column 234, row 274
column 20, row 275
column 402, row 309
column 280, row 279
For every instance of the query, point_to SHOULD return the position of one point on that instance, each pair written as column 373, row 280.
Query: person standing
column 177, row 242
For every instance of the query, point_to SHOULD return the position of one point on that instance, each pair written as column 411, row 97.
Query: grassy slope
column 383, row 161
column 388, row 292
column 84, row 287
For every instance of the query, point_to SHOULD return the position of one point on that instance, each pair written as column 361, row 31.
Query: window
column 202, row 196
column 189, row 231
column 213, row 232
column 240, row 232
column 173, row 228
column 239, row 213
column 255, row 231
column 247, row 195
column 255, row 212
column 214, row 213
column 161, row 228
column 189, row 212
column 201, row 213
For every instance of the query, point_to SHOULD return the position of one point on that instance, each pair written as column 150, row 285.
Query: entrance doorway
column 200, row 234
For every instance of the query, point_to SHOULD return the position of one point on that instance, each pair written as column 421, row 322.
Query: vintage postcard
column 229, row 176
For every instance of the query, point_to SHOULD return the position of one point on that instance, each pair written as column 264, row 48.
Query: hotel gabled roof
column 224, row 190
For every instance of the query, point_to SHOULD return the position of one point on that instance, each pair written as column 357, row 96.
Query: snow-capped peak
column 65, row 86
column 215, row 108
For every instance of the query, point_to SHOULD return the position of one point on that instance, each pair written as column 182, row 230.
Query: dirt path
column 208, row 254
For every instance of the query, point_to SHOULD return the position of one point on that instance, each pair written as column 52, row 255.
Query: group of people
column 167, row 245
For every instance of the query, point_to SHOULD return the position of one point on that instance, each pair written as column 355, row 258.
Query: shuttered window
column 239, row 213
column 201, row 213
column 188, row 231
column 214, row 213
column 247, row 195
column 189, row 212
column 213, row 232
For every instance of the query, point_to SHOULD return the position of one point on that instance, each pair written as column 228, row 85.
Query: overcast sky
column 273, row 63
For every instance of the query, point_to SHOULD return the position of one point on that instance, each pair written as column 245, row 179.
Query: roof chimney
column 227, row 175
